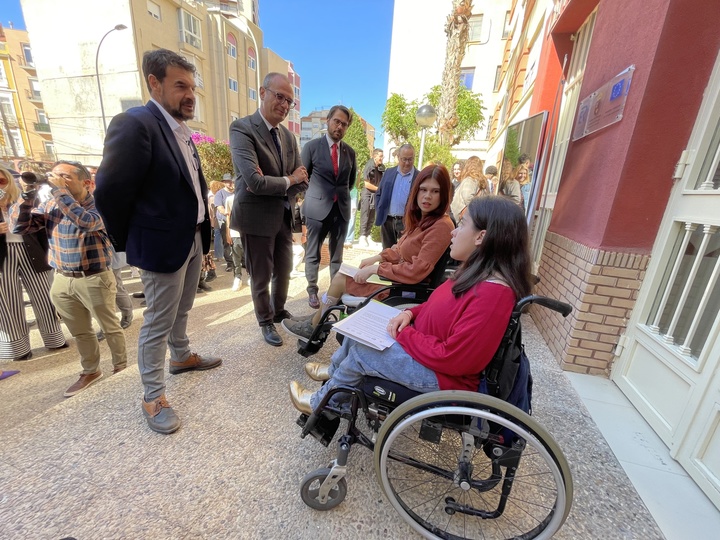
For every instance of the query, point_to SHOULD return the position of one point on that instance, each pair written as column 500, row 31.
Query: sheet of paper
column 349, row 270
column 369, row 325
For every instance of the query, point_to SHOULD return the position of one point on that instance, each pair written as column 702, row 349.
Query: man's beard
column 179, row 115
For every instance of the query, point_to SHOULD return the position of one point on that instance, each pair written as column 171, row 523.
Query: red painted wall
column 616, row 182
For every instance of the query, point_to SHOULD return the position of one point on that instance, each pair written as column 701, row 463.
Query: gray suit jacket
column 260, row 186
column 324, row 186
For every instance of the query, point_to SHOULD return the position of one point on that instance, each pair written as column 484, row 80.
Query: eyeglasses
column 407, row 159
column 340, row 123
column 280, row 98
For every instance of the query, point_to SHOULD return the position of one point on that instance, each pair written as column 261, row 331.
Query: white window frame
column 190, row 31
column 232, row 84
column 154, row 10
column 475, row 26
column 252, row 62
column 232, row 50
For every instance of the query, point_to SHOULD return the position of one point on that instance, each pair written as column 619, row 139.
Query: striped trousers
column 14, row 331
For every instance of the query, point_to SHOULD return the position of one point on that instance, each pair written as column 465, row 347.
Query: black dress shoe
column 138, row 295
column 271, row 336
column 280, row 317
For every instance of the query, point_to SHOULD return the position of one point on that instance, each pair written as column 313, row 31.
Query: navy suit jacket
column 384, row 193
column 323, row 185
column 144, row 192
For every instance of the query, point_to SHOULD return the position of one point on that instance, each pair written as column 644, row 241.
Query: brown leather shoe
column 160, row 416
column 118, row 369
column 194, row 362
column 300, row 397
column 83, row 382
column 317, row 371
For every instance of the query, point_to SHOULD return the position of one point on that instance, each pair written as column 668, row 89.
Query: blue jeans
column 353, row 361
column 218, row 243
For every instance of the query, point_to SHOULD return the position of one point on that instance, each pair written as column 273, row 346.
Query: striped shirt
column 76, row 232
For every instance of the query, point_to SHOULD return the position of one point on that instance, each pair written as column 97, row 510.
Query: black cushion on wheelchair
column 391, row 393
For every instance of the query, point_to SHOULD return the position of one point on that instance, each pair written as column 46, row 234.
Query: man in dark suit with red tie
column 331, row 165
column 152, row 195
column 268, row 175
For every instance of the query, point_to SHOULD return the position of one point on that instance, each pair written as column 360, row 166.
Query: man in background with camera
column 80, row 253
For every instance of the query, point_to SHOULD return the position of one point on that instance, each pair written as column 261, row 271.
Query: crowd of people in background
column 66, row 238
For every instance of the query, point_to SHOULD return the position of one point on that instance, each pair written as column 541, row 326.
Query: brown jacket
column 412, row 259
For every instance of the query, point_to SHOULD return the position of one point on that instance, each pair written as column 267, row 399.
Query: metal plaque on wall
column 605, row 106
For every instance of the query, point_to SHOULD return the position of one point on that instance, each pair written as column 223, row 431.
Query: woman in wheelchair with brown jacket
column 426, row 237
column 445, row 343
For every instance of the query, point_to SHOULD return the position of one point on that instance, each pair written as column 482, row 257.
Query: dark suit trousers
column 391, row 231
column 367, row 212
column 269, row 262
column 317, row 231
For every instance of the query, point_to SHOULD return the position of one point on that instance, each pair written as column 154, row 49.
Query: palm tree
column 457, row 30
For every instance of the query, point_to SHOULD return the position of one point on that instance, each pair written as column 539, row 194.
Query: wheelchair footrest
column 324, row 429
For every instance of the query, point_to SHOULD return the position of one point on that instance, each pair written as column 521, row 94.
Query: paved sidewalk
column 88, row 467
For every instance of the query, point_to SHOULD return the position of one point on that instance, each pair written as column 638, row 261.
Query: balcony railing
column 42, row 127
column 34, row 95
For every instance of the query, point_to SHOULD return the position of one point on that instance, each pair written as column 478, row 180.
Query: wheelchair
column 453, row 464
column 400, row 295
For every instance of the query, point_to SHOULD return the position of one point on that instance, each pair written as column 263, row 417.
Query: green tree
column 215, row 159
column 512, row 147
column 469, row 112
column 398, row 121
column 356, row 138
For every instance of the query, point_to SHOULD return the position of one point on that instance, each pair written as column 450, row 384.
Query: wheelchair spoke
column 447, row 488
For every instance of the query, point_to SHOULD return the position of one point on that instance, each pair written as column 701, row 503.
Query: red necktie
column 334, row 156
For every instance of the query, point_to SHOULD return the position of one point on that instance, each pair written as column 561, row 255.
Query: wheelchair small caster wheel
column 310, row 490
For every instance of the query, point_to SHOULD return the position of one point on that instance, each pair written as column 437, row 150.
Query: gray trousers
column 169, row 298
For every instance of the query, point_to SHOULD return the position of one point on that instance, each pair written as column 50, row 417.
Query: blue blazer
column 144, row 192
column 384, row 194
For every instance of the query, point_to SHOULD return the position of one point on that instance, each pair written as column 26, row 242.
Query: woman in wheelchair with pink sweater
column 422, row 244
column 445, row 343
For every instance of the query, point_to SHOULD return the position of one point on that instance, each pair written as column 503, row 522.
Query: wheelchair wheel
column 310, row 490
column 463, row 465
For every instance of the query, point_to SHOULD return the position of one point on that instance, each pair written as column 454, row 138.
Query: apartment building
column 97, row 73
column 24, row 128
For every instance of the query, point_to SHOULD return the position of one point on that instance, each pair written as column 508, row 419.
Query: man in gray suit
column 268, row 175
column 331, row 165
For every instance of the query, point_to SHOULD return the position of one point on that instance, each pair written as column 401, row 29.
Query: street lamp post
column 425, row 118
column 97, row 74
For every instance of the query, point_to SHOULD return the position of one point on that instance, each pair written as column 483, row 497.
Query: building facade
column 24, row 128
column 97, row 73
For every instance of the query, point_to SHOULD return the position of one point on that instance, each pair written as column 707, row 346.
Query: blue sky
column 340, row 48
